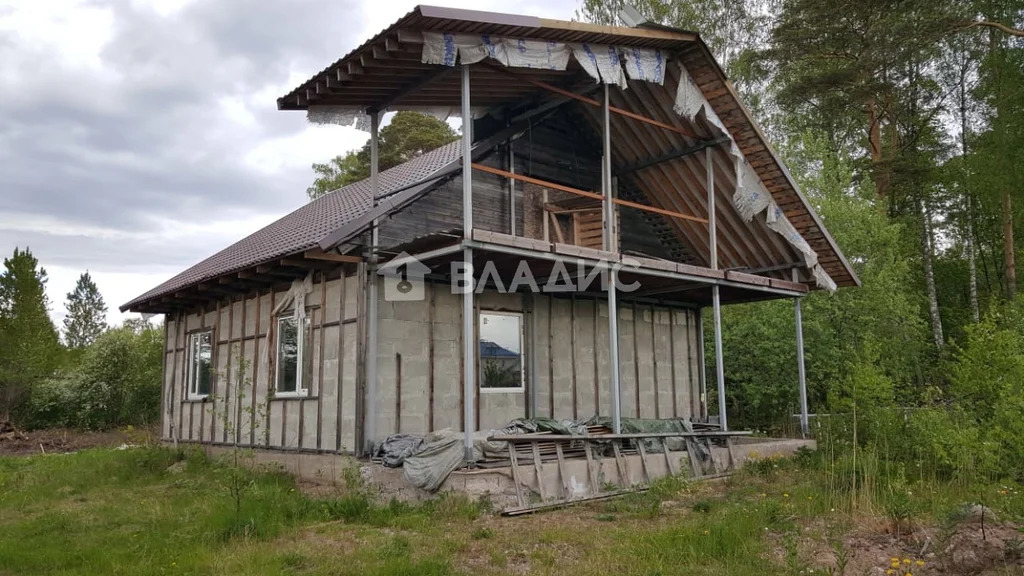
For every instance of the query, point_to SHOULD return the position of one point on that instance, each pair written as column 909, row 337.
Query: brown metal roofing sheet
column 303, row 228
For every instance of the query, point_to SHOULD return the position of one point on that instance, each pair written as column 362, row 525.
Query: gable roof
column 304, row 227
column 387, row 72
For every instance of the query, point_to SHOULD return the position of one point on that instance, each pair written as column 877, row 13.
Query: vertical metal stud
column 801, row 372
column 715, row 297
column 613, row 277
column 372, row 306
column 468, row 315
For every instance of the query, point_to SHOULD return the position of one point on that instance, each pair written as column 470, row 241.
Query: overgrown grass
column 156, row 511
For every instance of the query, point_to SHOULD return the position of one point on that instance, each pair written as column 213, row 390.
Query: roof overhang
column 387, row 73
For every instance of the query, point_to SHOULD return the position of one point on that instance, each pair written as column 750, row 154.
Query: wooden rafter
column 318, row 254
column 593, row 102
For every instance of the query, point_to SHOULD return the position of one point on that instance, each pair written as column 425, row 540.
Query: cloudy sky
column 138, row 137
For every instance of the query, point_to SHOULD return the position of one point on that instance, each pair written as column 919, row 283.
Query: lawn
column 156, row 511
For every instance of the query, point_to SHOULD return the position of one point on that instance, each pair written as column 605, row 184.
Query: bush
column 116, row 383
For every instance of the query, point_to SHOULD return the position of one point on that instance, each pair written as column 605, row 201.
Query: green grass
column 127, row 512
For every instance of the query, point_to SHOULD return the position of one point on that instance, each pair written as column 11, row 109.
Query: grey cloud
column 146, row 139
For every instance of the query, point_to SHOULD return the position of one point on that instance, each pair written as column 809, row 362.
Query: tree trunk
column 881, row 174
column 929, row 274
column 1008, row 261
column 972, row 264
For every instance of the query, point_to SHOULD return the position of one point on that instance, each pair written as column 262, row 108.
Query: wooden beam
column 311, row 264
column 593, row 102
column 681, row 152
column 586, row 194
column 274, row 270
column 189, row 297
column 410, row 36
column 251, row 276
column 318, row 254
column 411, row 88
column 216, row 289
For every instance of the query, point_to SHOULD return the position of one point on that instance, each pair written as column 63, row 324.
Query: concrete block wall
column 239, row 409
column 419, row 384
column 566, row 348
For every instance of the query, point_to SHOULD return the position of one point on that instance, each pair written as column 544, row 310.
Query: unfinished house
column 609, row 194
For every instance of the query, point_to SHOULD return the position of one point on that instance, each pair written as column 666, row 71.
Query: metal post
column 512, row 188
column 719, row 368
column 802, row 374
column 715, row 297
column 613, row 277
column 702, row 368
column 468, row 320
column 370, row 424
column 712, row 226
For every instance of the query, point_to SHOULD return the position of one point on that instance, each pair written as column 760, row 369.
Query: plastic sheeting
column 394, row 450
column 442, row 453
column 750, row 197
column 427, row 461
column 339, row 115
column 645, row 64
column 600, row 62
column 447, row 49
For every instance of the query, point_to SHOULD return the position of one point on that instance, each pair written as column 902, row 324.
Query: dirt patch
column 62, row 440
column 967, row 549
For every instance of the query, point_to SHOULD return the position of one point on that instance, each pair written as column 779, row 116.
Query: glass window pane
column 501, row 350
column 205, row 351
column 287, row 355
column 200, row 353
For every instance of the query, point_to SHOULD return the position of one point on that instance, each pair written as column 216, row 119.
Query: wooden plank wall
column 238, row 410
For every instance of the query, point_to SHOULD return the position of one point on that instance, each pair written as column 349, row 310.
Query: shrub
column 116, row 383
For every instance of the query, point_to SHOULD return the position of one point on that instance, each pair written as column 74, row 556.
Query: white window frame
column 300, row 391
column 522, row 355
column 192, row 378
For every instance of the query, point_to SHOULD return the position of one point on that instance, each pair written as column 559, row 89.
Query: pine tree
column 408, row 135
column 29, row 350
column 87, row 313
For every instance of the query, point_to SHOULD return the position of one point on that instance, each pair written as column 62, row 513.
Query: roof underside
column 386, row 73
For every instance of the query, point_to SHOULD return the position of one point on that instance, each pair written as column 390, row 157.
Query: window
column 200, row 349
column 501, row 351
column 293, row 361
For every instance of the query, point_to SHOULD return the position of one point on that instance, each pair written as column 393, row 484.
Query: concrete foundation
column 497, row 484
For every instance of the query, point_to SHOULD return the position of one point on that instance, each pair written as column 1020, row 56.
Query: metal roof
column 387, row 72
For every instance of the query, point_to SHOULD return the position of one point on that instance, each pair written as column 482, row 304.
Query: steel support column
column 702, row 368
column 801, row 372
column 512, row 188
column 613, row 277
column 468, row 315
column 372, row 306
column 716, row 302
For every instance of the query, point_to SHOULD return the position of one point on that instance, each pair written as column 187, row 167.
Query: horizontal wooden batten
column 585, row 193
